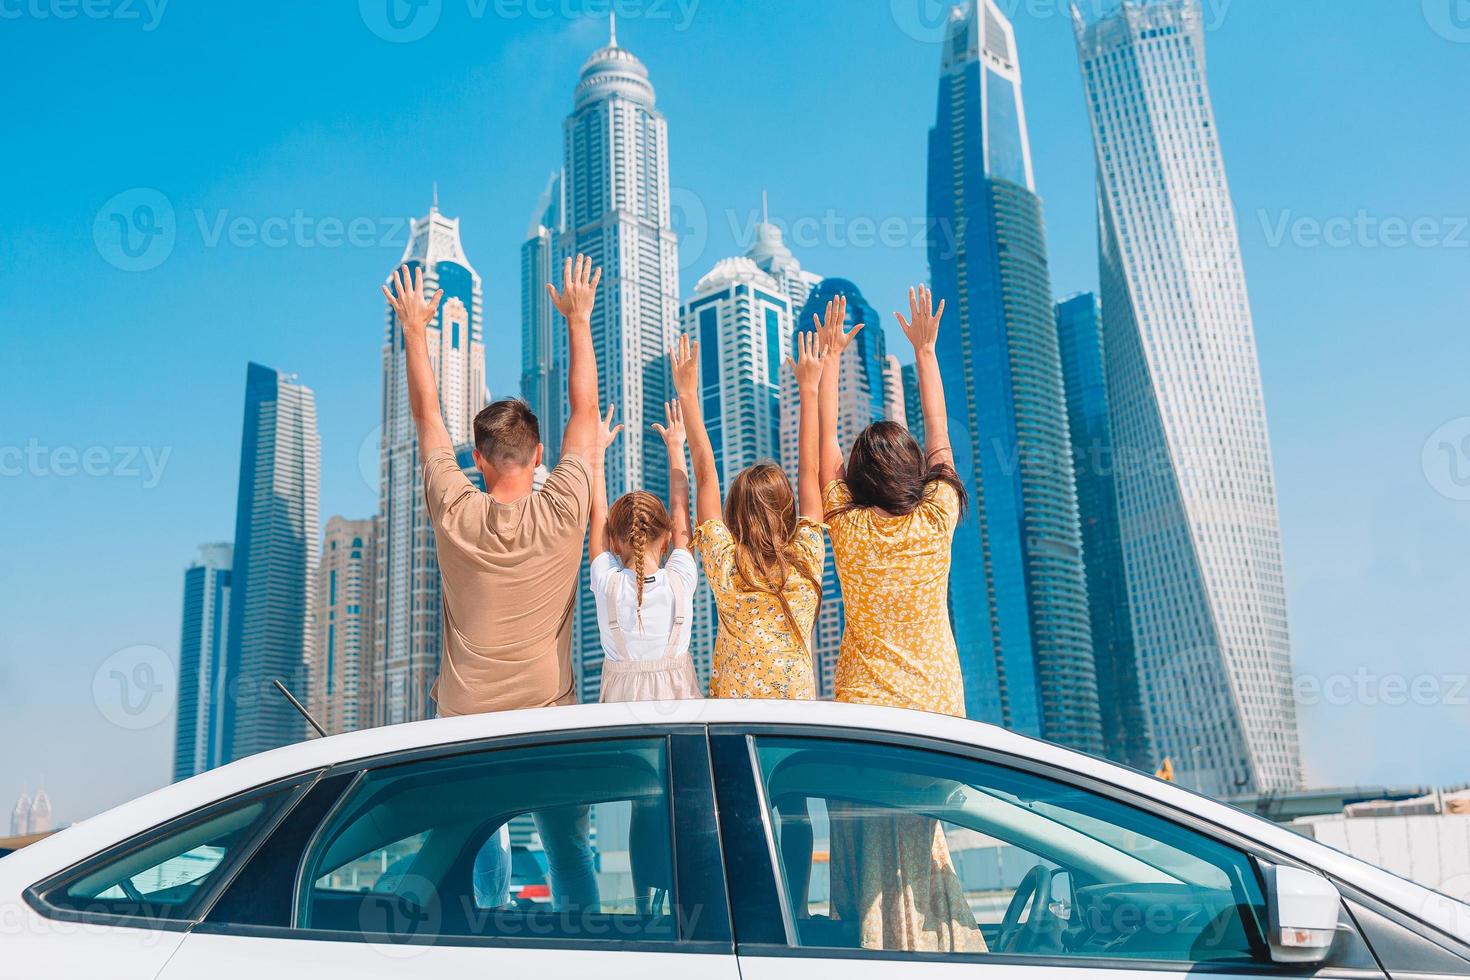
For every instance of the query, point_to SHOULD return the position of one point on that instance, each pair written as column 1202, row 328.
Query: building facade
column 407, row 614
column 913, row 405
column 203, row 642
column 540, row 320
column 1196, row 489
column 1018, row 593
column 342, row 615
column 617, row 212
column 276, row 540
column 1120, row 695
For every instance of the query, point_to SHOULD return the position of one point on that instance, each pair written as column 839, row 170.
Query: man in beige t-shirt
column 509, row 558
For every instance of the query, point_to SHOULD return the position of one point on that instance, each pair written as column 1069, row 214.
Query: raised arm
column 835, row 341
column 923, row 332
column 673, row 437
column 576, row 299
column 808, row 370
column 414, row 314
column 597, row 526
column 685, row 360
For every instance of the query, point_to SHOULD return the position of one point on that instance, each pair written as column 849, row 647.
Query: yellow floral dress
column 891, row 870
column 755, row 655
column 897, row 646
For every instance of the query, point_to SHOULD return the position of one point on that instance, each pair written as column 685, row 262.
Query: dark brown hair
column 760, row 511
column 887, row 470
column 507, row 434
column 633, row 519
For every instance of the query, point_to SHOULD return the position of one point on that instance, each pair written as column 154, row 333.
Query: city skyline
column 1318, row 460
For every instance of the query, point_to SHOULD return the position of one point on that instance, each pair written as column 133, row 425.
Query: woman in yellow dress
column 891, row 511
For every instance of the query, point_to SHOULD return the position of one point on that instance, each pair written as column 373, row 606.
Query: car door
column 418, row 866
column 882, row 855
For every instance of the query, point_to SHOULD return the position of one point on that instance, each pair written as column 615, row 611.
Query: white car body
column 34, row 944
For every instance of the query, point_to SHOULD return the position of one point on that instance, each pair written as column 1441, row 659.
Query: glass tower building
column 1196, row 491
column 203, row 635
column 406, row 642
column 617, row 212
column 1120, row 698
column 539, row 318
column 1018, row 593
column 276, row 528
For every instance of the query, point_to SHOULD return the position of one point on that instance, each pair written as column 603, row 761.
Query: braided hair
column 633, row 520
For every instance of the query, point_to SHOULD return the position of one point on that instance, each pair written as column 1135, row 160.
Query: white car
column 692, row 839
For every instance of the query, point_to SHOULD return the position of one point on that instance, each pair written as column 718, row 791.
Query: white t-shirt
column 650, row 642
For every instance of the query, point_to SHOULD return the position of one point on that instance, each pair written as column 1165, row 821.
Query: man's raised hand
column 578, row 289
column 922, row 329
column 407, row 299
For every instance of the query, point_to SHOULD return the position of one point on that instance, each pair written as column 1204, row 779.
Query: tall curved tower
column 617, row 211
column 1018, row 592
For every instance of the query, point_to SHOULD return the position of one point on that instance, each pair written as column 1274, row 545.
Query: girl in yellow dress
column 891, row 511
column 762, row 553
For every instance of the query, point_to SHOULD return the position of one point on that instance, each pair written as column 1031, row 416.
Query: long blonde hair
column 760, row 511
column 633, row 520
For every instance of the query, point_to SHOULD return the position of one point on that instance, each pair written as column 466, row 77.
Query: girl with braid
column 645, row 605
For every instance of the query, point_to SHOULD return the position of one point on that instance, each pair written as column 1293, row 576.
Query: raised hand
column 578, row 289
column 672, row 433
column 810, row 352
column 606, row 431
column 407, row 299
column 830, row 328
column 684, row 359
column 922, row 329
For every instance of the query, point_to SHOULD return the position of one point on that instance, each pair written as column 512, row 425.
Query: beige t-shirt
column 510, row 587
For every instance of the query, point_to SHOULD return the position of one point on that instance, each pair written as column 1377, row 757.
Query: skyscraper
column 1018, row 594
column 913, row 405
column 742, row 320
column 203, row 640
column 1196, row 490
column 1119, row 694
column 860, row 402
column 407, row 618
column 617, row 212
column 539, row 318
column 20, row 816
column 276, row 528
column 342, row 615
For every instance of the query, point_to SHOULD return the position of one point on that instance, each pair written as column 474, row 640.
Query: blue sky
column 290, row 141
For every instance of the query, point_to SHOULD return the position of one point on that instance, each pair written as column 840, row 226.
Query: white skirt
column 665, row 679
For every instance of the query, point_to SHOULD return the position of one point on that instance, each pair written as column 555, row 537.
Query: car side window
column 557, row 841
column 162, row 875
column 903, row 849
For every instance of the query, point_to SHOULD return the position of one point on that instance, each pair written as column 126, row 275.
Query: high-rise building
column 741, row 319
column 203, row 641
column 1196, row 491
column 342, row 615
column 895, row 399
column 1119, row 694
column 540, row 321
column 41, row 813
column 913, row 405
column 407, row 614
column 20, row 816
column 860, row 402
column 1018, row 594
column 617, row 212
column 276, row 528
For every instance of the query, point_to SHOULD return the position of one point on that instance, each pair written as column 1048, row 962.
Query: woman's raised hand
column 810, row 352
column 606, row 431
column 830, row 328
column 922, row 329
column 672, row 433
column 684, row 359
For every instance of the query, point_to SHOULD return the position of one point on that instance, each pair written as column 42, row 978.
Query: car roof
column 143, row 813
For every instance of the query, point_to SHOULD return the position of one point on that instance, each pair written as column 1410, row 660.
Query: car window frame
column 739, row 786
column 699, row 873
column 295, row 786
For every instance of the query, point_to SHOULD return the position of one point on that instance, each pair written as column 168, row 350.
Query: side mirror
column 1302, row 911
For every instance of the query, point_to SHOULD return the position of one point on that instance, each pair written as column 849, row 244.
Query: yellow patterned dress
column 755, row 655
column 891, row 870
